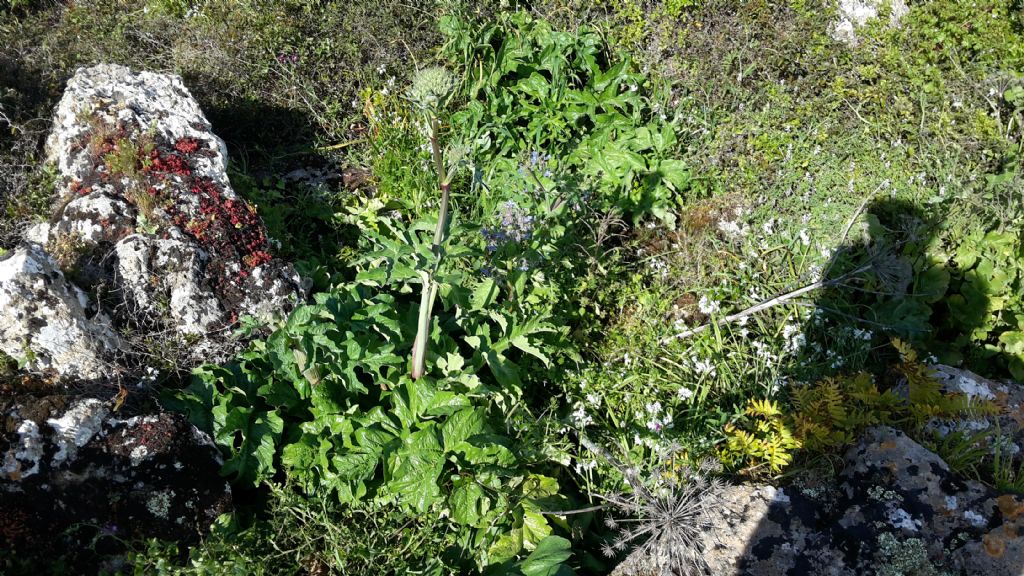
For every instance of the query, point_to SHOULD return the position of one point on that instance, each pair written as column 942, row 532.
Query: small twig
column 857, row 113
column 782, row 299
column 576, row 511
column 860, row 209
column 341, row 145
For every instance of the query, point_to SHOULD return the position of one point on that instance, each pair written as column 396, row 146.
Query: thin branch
column 577, row 511
column 782, row 299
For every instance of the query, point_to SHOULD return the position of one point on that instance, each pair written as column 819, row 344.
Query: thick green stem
column 419, row 346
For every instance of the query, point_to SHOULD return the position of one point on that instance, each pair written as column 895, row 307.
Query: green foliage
column 832, row 412
column 299, row 533
column 926, row 397
column 1007, row 471
column 355, row 427
column 550, row 313
column 327, row 400
column 530, row 88
column 760, row 438
column 981, row 314
column 963, row 451
column 299, row 220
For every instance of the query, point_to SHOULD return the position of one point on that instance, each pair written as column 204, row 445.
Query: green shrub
column 562, row 97
column 298, row 534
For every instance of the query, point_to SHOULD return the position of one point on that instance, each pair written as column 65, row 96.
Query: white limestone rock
column 97, row 217
column 44, row 318
column 23, row 458
column 166, row 275
column 855, row 13
column 169, row 232
column 148, row 100
column 76, row 427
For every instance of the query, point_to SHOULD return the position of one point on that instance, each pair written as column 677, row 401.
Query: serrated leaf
column 300, row 455
column 414, row 470
column 675, row 173
column 523, row 344
column 486, row 449
column 539, row 486
column 374, row 276
column 1014, row 342
column 506, row 546
column 444, row 403
column 412, row 399
column 504, row 370
column 355, row 465
column 535, row 529
column 484, row 295
column 373, row 439
column 461, row 426
column 468, row 502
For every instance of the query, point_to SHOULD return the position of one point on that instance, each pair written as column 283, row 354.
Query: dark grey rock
column 72, row 473
column 895, row 509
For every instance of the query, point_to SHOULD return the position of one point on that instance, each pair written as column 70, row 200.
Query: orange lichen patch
column 1001, row 400
column 1017, row 413
column 995, row 545
column 1010, row 506
column 888, row 445
column 15, row 475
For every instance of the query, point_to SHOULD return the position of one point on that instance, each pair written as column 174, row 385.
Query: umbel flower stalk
column 430, row 89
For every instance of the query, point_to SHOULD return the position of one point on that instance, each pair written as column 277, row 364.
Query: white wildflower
column 708, row 306
column 793, row 336
column 733, row 229
column 805, row 239
column 862, row 334
column 703, row 367
column 585, row 466
column 580, row 417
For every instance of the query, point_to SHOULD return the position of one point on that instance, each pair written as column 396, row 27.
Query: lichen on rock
column 70, row 464
column 896, row 508
column 148, row 237
column 47, row 322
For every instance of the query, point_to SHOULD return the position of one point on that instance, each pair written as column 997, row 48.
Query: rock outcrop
column 148, row 226
column 147, row 243
column 896, row 508
column 75, row 478
column 49, row 322
column 852, row 14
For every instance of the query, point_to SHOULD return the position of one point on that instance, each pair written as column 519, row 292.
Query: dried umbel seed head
column 666, row 518
column 431, row 87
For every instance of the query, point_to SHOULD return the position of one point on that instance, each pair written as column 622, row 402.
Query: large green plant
column 328, row 401
column 528, row 87
column 429, row 91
